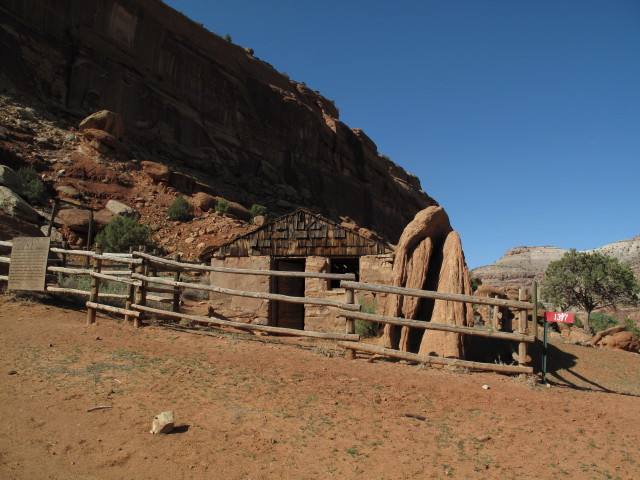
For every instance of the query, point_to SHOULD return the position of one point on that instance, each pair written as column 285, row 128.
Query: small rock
column 98, row 338
column 486, row 387
column 12, row 372
column 162, row 423
column 483, row 438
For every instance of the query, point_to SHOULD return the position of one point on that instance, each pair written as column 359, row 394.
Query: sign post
column 552, row 317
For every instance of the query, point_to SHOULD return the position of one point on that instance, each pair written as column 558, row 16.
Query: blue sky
column 520, row 117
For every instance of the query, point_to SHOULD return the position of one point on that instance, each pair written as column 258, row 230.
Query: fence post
column 522, row 326
column 141, row 294
column 350, row 354
column 65, row 246
column 94, row 286
column 176, row 278
column 132, row 290
column 534, row 300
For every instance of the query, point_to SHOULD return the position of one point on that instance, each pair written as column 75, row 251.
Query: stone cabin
column 298, row 241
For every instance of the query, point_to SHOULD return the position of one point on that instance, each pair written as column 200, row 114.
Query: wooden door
column 285, row 314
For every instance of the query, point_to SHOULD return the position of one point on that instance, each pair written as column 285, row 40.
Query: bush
column 367, row 329
column 122, row 233
column 258, row 210
column 222, row 206
column 36, row 192
column 632, row 326
column 600, row 321
column 227, row 37
column 180, row 210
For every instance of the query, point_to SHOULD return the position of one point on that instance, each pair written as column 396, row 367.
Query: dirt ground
column 250, row 407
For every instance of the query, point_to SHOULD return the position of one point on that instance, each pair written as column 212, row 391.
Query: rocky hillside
column 202, row 106
column 521, row 265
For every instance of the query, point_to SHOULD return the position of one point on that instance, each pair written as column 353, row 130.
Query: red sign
column 558, row 317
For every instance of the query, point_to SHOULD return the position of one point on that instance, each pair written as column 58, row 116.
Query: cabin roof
column 300, row 233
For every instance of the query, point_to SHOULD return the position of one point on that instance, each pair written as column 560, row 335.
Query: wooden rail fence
column 521, row 336
column 140, row 270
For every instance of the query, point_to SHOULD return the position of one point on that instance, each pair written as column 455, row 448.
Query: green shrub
column 180, row 210
column 258, row 210
column 222, row 206
column 36, row 192
column 227, row 37
column 632, row 326
column 367, row 329
column 122, row 233
column 600, row 321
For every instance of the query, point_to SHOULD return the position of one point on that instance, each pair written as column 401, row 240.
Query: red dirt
column 272, row 408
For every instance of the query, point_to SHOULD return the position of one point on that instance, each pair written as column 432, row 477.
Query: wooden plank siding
column 302, row 233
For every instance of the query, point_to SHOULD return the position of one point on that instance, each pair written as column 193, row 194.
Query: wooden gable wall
column 301, row 234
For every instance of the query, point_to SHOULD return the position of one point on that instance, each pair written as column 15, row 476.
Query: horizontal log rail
column 70, row 271
column 5, row 260
column 270, row 273
column 4, row 243
column 403, row 322
column 113, row 257
column 249, row 326
column 111, row 278
column 428, row 359
column 242, row 293
column 4, row 277
column 109, row 308
column 452, row 297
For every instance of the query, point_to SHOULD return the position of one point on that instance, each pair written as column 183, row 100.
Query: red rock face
column 196, row 100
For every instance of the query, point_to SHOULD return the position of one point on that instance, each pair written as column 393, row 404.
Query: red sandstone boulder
column 626, row 341
column 77, row 219
column 204, row 202
column 104, row 120
column 454, row 278
column 157, row 171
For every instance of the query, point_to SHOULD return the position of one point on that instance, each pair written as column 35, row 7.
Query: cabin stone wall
column 319, row 318
column 241, row 309
column 373, row 269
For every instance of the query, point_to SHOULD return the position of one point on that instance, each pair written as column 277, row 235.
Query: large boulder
column 104, row 120
column 239, row 211
column 626, row 341
column 453, row 278
column 77, row 219
column 204, row 202
column 13, row 205
column 157, row 171
column 119, row 208
column 11, row 180
column 416, row 265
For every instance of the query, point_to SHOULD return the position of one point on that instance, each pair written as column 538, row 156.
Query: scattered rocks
column 163, row 423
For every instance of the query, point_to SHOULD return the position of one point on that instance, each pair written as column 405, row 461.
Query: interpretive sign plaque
column 28, row 263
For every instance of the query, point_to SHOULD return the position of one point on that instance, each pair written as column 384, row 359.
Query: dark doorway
column 343, row 265
column 285, row 314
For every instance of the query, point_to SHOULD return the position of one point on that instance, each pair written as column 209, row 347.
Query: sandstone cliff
column 521, row 265
column 203, row 105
